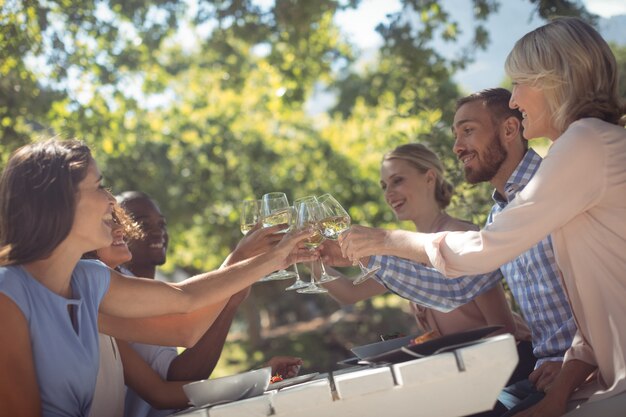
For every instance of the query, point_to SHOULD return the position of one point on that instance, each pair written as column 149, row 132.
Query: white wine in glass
column 298, row 284
column 309, row 214
column 275, row 209
column 316, row 238
column 333, row 226
column 335, row 221
column 250, row 215
column 281, row 216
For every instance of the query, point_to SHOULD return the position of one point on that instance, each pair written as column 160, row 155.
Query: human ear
column 510, row 128
column 431, row 176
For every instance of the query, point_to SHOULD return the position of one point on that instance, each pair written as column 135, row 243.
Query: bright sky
column 505, row 28
column 360, row 24
column 606, row 8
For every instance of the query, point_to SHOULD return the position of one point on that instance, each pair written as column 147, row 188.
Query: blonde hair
column 575, row 68
column 424, row 159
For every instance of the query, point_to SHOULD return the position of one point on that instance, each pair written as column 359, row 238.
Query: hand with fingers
column 544, row 375
column 291, row 248
column 330, row 252
column 286, row 366
column 258, row 240
column 361, row 241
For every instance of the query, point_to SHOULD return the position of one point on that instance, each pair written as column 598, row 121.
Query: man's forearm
column 572, row 375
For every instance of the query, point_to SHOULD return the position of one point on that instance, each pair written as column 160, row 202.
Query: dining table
column 458, row 382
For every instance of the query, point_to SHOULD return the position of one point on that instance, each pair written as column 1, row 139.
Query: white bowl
column 228, row 388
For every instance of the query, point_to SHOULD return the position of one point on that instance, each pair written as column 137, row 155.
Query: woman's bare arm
column 166, row 330
column 139, row 376
column 19, row 392
column 362, row 241
column 188, row 329
column 137, row 297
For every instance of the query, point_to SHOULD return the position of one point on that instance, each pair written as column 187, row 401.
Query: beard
column 490, row 162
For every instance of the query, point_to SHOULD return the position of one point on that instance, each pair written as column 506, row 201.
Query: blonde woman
column 411, row 177
column 565, row 83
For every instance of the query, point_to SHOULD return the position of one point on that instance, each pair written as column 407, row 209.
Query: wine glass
column 335, row 221
column 298, row 283
column 250, row 215
column 275, row 209
column 308, row 214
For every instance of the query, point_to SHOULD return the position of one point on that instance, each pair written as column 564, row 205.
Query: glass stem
column 313, row 273
column 323, row 268
column 363, row 268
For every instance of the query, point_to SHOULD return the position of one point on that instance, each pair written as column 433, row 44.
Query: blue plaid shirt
column 533, row 278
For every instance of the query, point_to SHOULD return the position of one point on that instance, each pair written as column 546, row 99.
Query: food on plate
column 433, row 334
column 390, row 336
column 276, row 378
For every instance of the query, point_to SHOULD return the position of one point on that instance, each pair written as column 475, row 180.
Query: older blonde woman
column 566, row 86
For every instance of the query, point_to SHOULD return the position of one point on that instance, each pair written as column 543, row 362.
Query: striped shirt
column 533, row 278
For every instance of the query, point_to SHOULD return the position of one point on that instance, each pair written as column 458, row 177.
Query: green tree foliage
column 411, row 85
column 547, row 9
column 202, row 104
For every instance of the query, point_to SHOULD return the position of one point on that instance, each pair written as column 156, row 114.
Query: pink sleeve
column 433, row 250
column 580, row 350
column 569, row 181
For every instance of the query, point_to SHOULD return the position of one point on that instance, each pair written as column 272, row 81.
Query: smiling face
column 477, row 142
column 151, row 250
column 117, row 253
column 93, row 219
column 405, row 187
column 531, row 102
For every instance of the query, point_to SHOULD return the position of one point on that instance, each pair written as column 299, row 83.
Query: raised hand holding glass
column 335, row 221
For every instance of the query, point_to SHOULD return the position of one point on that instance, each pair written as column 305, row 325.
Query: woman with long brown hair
column 53, row 209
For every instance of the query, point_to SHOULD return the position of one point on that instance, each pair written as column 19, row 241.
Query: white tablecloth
column 458, row 383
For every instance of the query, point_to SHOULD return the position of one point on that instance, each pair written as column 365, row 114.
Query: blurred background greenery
column 202, row 104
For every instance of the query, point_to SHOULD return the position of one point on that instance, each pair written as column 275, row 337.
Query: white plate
column 291, row 381
column 228, row 388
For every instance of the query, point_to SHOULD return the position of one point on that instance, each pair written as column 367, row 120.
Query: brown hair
column 496, row 100
column 424, row 159
column 38, row 191
column 575, row 68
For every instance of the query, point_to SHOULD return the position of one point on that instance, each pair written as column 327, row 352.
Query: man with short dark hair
column 194, row 363
column 490, row 146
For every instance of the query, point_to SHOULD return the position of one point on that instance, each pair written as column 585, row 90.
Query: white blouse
column 578, row 195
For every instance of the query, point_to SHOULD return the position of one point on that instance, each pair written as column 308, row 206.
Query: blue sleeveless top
column 65, row 358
